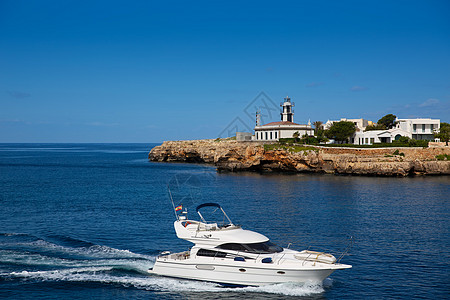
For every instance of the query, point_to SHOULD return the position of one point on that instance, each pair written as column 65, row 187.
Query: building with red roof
column 284, row 129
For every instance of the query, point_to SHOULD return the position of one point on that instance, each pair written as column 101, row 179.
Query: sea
column 86, row 221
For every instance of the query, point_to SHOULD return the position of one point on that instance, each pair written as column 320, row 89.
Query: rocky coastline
column 229, row 155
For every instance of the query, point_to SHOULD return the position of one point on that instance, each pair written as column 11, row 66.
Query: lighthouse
column 287, row 114
column 286, row 128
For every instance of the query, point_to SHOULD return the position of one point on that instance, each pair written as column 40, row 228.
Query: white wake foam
column 289, row 289
column 94, row 251
column 33, row 259
column 157, row 283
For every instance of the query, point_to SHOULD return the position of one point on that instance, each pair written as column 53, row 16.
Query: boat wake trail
column 26, row 258
column 32, row 254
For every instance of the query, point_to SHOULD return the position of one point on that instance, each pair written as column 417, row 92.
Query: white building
column 418, row 129
column 421, row 129
column 378, row 136
column 285, row 129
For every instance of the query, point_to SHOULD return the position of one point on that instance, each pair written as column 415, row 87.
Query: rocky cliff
column 253, row 156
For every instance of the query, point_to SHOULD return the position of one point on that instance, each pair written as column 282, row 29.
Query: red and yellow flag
column 179, row 208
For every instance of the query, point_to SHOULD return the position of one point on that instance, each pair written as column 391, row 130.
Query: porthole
column 281, row 272
column 242, row 270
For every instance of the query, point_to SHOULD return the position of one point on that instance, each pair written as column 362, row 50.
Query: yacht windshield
column 264, row 247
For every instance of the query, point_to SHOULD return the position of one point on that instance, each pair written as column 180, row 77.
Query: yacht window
column 264, row 247
column 210, row 253
column 233, row 246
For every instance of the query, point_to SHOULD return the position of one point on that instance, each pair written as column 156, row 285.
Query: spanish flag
column 179, row 208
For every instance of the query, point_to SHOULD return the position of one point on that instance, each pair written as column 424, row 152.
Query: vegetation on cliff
column 443, row 157
column 288, row 147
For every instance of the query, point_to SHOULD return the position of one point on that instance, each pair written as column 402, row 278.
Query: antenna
column 171, row 200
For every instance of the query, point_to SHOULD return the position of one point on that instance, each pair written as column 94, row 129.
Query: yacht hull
column 243, row 274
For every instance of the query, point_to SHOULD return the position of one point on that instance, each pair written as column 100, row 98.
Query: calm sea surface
column 86, row 221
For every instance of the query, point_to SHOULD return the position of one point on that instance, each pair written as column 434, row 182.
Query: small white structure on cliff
column 285, row 129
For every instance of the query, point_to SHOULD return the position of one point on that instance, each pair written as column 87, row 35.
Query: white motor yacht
column 230, row 255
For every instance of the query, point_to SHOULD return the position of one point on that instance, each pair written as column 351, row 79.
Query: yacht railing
column 279, row 260
column 307, row 258
column 346, row 250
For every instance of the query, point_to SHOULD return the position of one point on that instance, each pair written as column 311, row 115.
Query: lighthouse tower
column 287, row 113
column 274, row 131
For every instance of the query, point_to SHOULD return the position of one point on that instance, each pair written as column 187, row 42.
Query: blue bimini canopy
column 207, row 204
column 212, row 205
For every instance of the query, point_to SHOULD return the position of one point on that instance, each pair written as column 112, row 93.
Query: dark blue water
column 86, row 221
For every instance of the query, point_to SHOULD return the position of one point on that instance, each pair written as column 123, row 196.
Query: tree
column 341, row 131
column 311, row 140
column 444, row 133
column 296, row 135
column 317, row 126
column 388, row 121
column 321, row 136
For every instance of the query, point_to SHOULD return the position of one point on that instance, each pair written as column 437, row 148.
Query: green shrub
column 402, row 140
column 405, row 141
column 287, row 140
column 443, row 157
column 418, row 143
column 290, row 148
column 310, row 140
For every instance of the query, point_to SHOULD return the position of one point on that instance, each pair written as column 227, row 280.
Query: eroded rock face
column 251, row 156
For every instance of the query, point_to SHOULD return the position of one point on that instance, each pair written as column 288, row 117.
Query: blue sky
column 144, row 71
